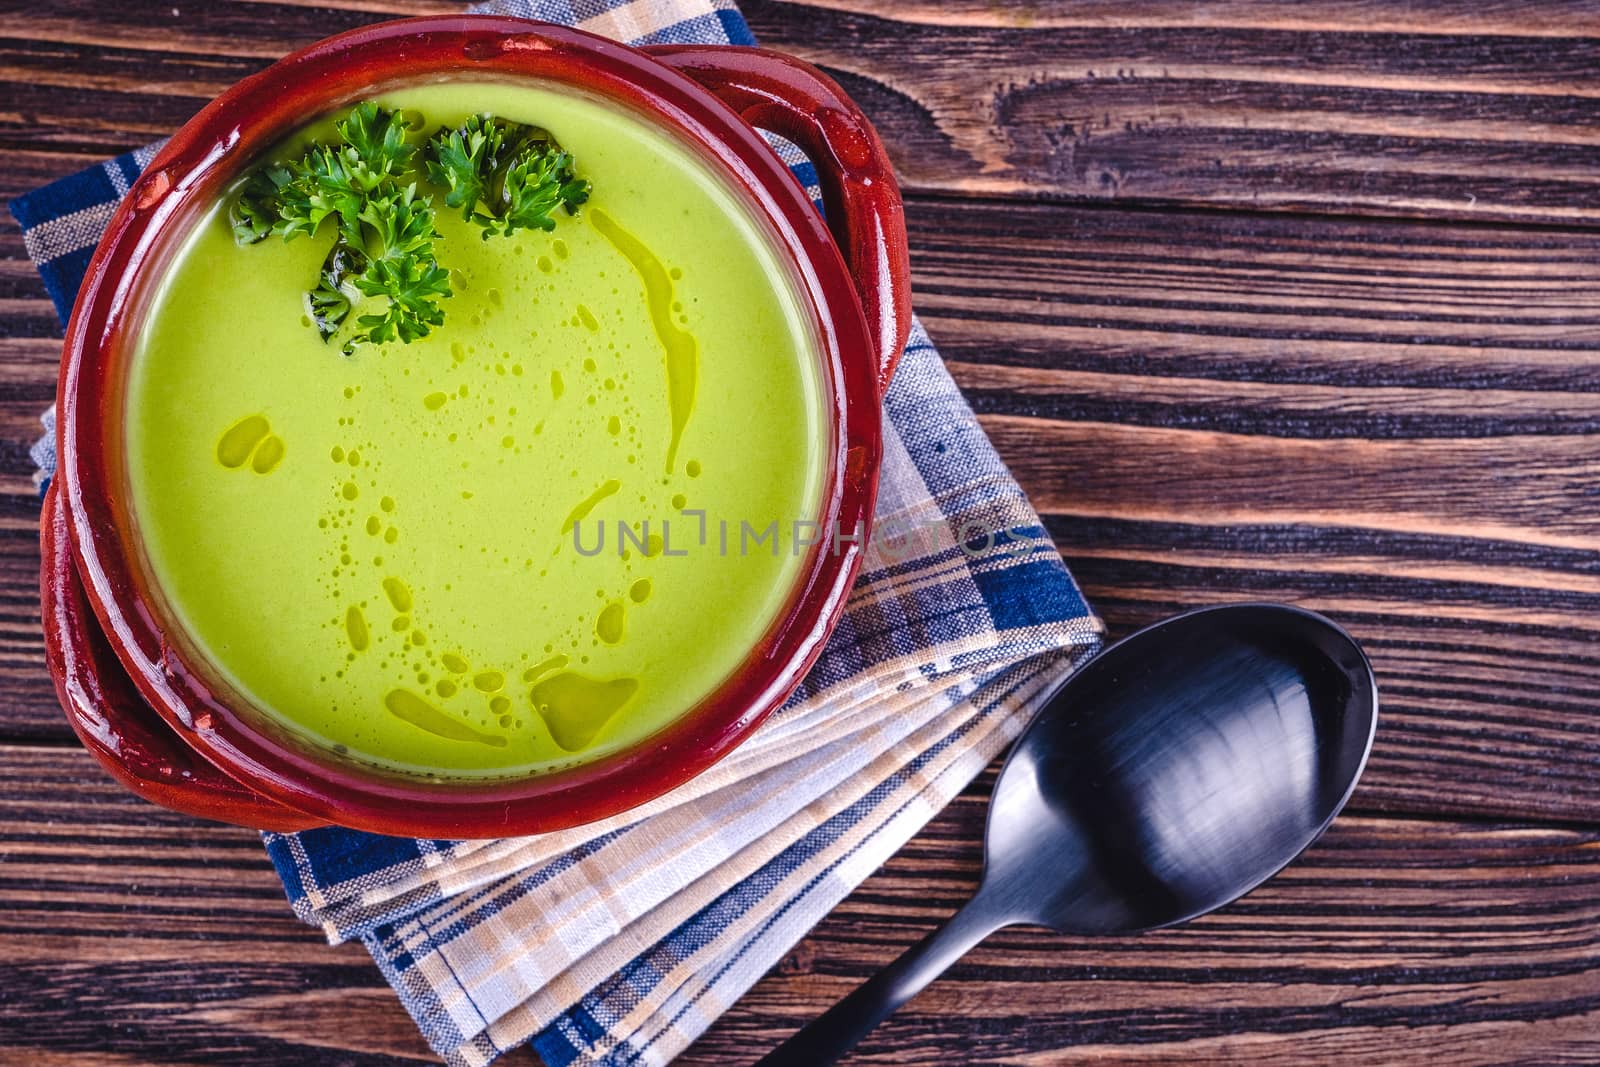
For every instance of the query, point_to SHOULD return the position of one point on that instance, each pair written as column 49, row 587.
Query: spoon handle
column 836, row 1031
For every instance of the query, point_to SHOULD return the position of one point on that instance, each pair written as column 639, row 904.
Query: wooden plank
column 1415, row 109
column 1420, row 109
column 134, row 936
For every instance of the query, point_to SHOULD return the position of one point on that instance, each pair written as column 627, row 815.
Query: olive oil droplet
column 399, row 595
column 240, row 440
column 355, row 627
column 581, row 512
column 405, row 705
column 609, row 626
column 576, row 707
column 268, row 455
column 540, row 669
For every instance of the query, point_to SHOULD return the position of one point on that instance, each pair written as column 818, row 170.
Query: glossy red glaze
column 114, row 723
column 230, row 134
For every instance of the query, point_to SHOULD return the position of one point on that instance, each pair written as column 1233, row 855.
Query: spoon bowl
column 1172, row 774
column 1178, row 770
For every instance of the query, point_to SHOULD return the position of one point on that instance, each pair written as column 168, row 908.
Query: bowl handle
column 793, row 99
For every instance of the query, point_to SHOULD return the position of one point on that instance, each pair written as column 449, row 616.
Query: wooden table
column 1260, row 300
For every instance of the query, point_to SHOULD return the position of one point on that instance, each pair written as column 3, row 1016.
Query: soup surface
column 395, row 551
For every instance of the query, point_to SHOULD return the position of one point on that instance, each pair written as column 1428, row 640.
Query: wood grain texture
column 1259, row 300
column 1414, row 109
column 134, row 936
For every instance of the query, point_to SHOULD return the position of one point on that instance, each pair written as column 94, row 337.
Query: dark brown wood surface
column 1259, row 300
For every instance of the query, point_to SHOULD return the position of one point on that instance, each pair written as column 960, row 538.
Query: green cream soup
column 381, row 549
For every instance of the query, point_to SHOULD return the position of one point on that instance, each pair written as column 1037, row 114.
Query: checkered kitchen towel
column 620, row 942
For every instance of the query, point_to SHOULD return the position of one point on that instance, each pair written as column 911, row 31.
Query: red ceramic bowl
column 854, row 279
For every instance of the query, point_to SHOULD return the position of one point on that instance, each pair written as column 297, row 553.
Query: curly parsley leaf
column 463, row 161
column 329, row 303
column 257, row 210
column 505, row 176
column 401, row 269
column 378, row 138
column 540, row 180
column 401, row 222
column 519, row 173
column 324, row 183
column 412, row 289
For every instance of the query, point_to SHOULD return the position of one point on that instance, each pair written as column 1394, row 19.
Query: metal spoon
column 1172, row 774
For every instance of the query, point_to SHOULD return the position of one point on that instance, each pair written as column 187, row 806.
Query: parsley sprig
column 503, row 175
column 519, row 173
column 404, row 271
column 462, row 161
